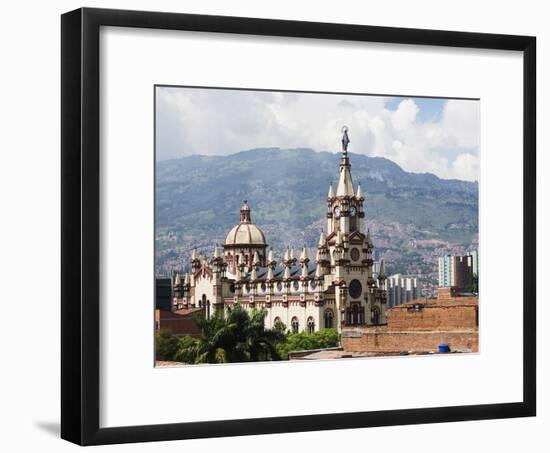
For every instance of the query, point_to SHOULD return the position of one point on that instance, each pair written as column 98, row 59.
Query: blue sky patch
column 429, row 109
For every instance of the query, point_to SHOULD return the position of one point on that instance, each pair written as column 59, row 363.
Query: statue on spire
column 345, row 139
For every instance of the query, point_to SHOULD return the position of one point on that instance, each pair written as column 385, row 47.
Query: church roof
column 278, row 272
column 245, row 232
column 345, row 183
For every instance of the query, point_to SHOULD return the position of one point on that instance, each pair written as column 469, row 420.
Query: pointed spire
column 330, row 191
column 194, row 254
column 345, row 183
column 368, row 238
column 318, row 272
column 270, row 273
column 322, row 239
column 381, row 272
column 303, row 255
column 270, row 255
column 286, row 254
column 186, row 279
column 256, row 259
column 359, row 193
column 177, row 280
column 305, row 270
column 216, row 252
column 287, row 272
column 241, row 259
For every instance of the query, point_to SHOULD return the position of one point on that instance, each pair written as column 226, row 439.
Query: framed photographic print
column 275, row 226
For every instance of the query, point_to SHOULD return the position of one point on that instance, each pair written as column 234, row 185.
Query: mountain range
column 412, row 216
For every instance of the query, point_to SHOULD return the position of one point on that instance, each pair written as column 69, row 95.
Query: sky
column 439, row 136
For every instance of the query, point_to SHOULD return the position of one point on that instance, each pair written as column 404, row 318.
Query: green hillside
column 198, row 200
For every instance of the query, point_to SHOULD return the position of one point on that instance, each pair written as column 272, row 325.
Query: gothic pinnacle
column 322, row 239
column 359, row 192
column 330, row 191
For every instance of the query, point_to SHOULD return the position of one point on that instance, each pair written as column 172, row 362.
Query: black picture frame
column 80, row 264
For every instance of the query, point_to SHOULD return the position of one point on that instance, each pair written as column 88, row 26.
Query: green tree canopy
column 237, row 336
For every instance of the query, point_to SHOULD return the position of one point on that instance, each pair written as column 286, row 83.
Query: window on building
column 296, row 285
column 310, row 325
column 329, row 319
column 375, row 315
column 355, row 315
column 355, row 289
column 295, row 325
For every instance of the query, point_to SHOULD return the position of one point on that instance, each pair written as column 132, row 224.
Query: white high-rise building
column 401, row 289
column 458, row 271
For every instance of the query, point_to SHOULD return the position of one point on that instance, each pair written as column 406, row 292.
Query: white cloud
column 197, row 121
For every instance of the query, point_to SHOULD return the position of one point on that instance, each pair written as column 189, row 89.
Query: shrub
column 166, row 345
column 302, row 341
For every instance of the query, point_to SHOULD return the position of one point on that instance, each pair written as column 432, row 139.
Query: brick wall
column 386, row 341
column 436, row 317
column 176, row 324
column 447, row 312
column 421, row 326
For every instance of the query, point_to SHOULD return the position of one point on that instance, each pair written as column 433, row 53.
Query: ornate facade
column 335, row 289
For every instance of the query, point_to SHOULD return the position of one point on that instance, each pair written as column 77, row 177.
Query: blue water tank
column 444, row 347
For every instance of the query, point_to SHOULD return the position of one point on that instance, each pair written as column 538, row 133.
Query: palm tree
column 237, row 337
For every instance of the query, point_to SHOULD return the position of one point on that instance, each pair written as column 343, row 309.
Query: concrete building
column 401, row 289
column 163, row 293
column 457, row 271
column 335, row 289
column 475, row 261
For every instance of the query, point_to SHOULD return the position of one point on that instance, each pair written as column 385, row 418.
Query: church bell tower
column 359, row 300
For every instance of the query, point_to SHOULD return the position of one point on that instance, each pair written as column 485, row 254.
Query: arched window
column 276, row 321
column 310, row 325
column 355, row 315
column 202, row 302
column 295, row 325
column 375, row 315
column 329, row 319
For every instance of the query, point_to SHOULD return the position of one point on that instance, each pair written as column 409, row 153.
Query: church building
column 334, row 289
